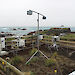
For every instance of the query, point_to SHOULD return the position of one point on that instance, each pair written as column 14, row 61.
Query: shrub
column 33, row 51
column 54, row 55
column 32, row 73
column 16, row 60
column 50, row 62
column 34, row 59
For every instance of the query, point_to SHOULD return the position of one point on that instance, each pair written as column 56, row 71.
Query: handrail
column 14, row 69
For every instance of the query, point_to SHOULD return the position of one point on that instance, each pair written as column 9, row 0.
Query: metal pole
column 37, row 13
column 38, row 32
column 37, row 40
column 32, row 57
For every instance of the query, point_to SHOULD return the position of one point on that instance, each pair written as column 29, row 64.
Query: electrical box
column 21, row 42
column 55, row 38
column 40, row 37
column 3, row 42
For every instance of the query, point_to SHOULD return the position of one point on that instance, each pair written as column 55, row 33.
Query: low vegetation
column 68, row 37
column 33, row 51
column 54, row 55
column 35, row 59
column 50, row 62
column 9, row 39
column 16, row 60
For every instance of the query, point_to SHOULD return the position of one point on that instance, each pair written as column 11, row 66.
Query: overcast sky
column 58, row 12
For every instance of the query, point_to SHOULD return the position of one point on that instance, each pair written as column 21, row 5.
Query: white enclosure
column 55, row 38
column 3, row 42
column 40, row 37
column 21, row 42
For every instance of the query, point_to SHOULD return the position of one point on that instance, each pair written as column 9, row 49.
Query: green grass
column 32, row 73
column 35, row 59
column 68, row 37
column 33, row 51
column 44, row 32
column 48, row 37
column 16, row 60
column 55, row 54
column 9, row 39
column 30, row 37
column 50, row 62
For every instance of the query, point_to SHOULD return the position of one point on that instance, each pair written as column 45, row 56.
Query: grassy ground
column 41, row 66
column 68, row 37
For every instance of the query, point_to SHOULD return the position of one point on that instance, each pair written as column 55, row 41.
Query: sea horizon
column 28, row 29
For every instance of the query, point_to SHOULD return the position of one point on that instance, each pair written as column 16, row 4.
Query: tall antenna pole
column 30, row 13
column 38, row 32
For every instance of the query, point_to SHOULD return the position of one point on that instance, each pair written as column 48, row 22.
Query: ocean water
column 20, row 32
column 24, row 32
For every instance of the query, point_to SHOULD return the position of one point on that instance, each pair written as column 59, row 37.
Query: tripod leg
column 31, row 57
column 43, row 54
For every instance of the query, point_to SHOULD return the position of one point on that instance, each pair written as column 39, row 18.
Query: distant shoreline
column 29, row 29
